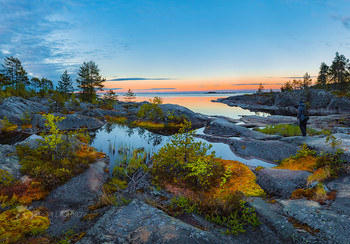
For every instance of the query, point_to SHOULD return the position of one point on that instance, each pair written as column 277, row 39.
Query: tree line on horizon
column 14, row 81
column 333, row 77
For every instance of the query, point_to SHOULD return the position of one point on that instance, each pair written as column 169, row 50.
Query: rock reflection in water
column 113, row 136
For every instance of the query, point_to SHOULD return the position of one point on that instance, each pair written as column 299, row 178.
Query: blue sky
column 176, row 44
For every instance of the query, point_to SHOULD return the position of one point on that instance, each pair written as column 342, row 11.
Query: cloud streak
column 139, row 79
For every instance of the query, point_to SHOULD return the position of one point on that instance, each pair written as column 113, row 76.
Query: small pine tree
column 260, row 89
column 65, row 85
column 130, row 96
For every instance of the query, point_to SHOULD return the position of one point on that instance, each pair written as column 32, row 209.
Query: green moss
column 287, row 130
column 19, row 222
column 5, row 178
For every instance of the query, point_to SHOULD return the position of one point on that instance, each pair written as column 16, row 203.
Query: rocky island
column 303, row 199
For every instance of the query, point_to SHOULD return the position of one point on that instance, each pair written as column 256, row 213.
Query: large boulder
column 281, row 182
column 197, row 119
column 14, row 108
column 142, row 223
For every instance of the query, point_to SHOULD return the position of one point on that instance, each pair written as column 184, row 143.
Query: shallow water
column 113, row 136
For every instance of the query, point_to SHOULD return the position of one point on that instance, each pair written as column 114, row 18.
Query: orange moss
column 307, row 163
column 22, row 193
column 28, row 126
column 90, row 217
column 317, row 194
column 319, row 175
column 241, row 179
column 89, row 153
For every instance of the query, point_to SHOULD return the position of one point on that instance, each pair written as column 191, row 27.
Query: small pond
column 111, row 137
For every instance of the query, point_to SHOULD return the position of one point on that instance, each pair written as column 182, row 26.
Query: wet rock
column 14, row 108
column 9, row 161
column 222, row 127
column 281, row 182
column 142, row 223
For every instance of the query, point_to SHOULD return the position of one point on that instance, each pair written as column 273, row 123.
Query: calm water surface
column 200, row 103
column 112, row 136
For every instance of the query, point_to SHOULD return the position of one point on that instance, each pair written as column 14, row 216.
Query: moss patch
column 19, row 222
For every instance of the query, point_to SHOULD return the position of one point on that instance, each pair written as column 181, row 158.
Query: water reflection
column 113, row 136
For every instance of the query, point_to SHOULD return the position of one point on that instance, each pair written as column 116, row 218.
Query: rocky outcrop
column 321, row 102
column 324, row 223
column 222, row 127
column 14, row 108
column 196, row 119
column 142, row 223
column 71, row 122
column 68, row 204
column 281, row 182
column 9, row 161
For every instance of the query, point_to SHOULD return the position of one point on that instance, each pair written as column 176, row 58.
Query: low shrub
column 7, row 126
column 19, row 222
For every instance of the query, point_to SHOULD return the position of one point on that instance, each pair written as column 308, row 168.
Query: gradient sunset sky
column 149, row 45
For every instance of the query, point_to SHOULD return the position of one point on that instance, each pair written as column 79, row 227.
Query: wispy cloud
column 113, row 89
column 345, row 20
column 138, row 79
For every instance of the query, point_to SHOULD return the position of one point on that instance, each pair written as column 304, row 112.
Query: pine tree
column 130, row 96
column 322, row 77
column 260, row 89
column 338, row 70
column 15, row 74
column 65, row 85
column 89, row 80
column 307, row 81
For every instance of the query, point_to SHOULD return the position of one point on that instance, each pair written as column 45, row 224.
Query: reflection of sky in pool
column 113, row 136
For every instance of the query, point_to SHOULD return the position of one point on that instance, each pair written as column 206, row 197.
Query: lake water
column 200, row 103
column 112, row 136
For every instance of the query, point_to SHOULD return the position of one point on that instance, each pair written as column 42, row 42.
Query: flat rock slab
column 69, row 202
column 318, row 143
column 222, row 127
column 341, row 205
column 329, row 226
column 281, row 182
column 283, row 231
column 142, row 223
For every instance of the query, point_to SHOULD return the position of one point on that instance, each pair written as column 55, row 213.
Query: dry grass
column 307, row 163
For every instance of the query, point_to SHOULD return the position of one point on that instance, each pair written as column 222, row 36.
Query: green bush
column 185, row 160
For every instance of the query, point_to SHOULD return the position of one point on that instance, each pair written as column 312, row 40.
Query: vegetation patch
column 287, row 130
column 58, row 158
column 317, row 193
column 18, row 223
column 7, row 126
column 204, row 184
column 148, row 124
column 118, row 120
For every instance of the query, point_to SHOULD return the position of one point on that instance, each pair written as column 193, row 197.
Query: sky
column 180, row 45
